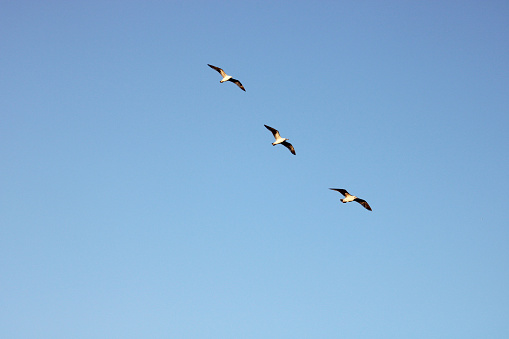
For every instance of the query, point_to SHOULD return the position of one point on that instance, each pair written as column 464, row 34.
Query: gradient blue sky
column 141, row 198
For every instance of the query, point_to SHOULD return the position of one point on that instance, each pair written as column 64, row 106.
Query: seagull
column 280, row 140
column 227, row 77
column 349, row 197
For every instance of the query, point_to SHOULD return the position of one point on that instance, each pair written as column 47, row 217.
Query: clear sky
column 141, row 198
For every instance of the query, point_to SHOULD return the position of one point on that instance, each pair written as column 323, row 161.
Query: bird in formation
column 279, row 140
column 349, row 197
column 227, row 77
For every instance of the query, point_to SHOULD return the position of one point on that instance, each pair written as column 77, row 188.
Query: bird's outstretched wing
column 341, row 190
column 289, row 146
column 363, row 203
column 274, row 131
column 220, row 70
column 236, row 82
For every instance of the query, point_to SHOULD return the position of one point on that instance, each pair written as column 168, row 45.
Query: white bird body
column 349, row 198
column 278, row 140
column 225, row 78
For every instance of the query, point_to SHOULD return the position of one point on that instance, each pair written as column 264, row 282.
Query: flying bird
column 227, row 77
column 349, row 197
column 280, row 140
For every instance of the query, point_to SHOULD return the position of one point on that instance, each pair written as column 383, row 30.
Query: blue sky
column 141, row 198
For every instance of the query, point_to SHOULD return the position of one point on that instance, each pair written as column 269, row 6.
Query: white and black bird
column 227, row 77
column 280, row 140
column 349, row 197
